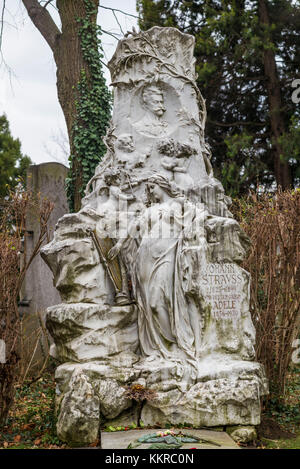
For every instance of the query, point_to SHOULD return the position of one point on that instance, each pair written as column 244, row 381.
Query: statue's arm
column 131, row 233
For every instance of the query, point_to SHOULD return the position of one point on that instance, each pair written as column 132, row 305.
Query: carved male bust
column 152, row 101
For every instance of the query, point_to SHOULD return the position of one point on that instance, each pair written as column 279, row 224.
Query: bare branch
column 120, row 11
column 2, row 22
column 110, row 34
column 47, row 3
column 3, row 61
column 116, row 18
column 233, row 124
column 103, row 63
column 43, row 21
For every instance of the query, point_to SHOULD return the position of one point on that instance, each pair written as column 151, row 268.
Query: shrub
column 13, row 267
column 272, row 222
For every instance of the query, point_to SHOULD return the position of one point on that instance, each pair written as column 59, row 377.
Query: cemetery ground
column 32, row 422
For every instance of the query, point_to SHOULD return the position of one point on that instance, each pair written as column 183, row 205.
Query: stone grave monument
column 148, row 270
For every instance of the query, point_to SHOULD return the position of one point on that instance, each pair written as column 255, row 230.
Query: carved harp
column 103, row 246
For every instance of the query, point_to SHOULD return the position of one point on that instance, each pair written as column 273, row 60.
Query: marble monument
column 149, row 269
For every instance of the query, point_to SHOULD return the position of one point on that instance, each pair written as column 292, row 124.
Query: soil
column 271, row 430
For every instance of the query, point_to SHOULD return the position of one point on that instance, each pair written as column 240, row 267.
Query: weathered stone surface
column 46, row 180
column 149, row 268
column 242, row 434
column 211, row 404
column 87, row 393
column 227, row 394
column 79, row 412
column 84, row 331
column 112, row 398
column 127, row 417
column 95, row 372
column 74, row 261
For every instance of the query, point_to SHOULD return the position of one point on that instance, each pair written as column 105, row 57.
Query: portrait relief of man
column 152, row 102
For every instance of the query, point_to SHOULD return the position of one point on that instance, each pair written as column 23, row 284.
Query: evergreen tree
column 13, row 164
column 247, row 55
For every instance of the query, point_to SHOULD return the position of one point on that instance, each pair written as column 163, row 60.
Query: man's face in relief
column 153, row 101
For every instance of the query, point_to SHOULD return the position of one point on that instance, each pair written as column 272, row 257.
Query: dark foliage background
column 247, row 56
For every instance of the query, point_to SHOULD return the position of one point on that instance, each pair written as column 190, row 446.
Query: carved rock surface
column 79, row 412
column 88, row 394
column 219, row 392
column 243, row 434
column 219, row 402
column 84, row 332
column 149, row 269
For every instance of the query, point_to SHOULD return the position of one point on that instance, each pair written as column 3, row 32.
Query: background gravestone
column 38, row 291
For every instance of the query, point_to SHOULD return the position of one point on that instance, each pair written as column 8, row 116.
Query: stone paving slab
column 121, row 440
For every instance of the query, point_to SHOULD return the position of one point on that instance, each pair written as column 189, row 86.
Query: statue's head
column 153, row 100
column 125, row 143
column 158, row 184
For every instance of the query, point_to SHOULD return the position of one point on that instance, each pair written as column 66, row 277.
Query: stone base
column 220, row 391
column 88, row 394
column 209, row 439
column 213, row 392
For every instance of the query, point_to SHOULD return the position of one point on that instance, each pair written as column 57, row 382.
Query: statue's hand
column 113, row 252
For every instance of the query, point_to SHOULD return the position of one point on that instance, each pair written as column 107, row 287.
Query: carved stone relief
column 148, row 270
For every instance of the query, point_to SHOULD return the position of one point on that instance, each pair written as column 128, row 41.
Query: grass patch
column 293, row 443
column 280, row 428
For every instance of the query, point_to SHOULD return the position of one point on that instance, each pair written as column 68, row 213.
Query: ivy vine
column 93, row 108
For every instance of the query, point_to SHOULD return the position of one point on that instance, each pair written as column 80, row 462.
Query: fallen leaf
column 17, row 438
column 28, row 426
column 37, row 441
column 5, row 444
column 94, row 444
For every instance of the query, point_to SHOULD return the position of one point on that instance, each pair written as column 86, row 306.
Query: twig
column 50, row 3
column 103, row 63
column 110, row 34
column 43, row 328
column 2, row 22
column 120, row 11
column 32, row 357
column 232, row 124
column 119, row 24
column 47, row 3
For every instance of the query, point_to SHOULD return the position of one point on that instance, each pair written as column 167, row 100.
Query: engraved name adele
column 222, row 285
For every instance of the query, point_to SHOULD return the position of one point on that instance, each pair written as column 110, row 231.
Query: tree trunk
column 70, row 63
column 68, row 56
column 281, row 168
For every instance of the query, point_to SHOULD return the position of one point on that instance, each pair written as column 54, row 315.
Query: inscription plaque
column 221, row 287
